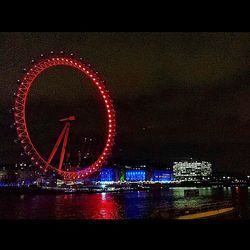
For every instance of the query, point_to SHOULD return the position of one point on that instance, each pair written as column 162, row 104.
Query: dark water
column 127, row 205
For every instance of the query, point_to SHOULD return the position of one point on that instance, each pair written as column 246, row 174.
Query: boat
column 209, row 210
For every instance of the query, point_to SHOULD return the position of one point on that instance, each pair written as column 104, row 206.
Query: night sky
column 176, row 94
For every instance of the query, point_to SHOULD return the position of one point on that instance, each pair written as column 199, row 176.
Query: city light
column 182, row 128
column 191, row 170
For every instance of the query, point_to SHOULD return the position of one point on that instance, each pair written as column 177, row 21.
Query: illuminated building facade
column 135, row 175
column 137, row 172
column 192, row 170
column 107, row 174
column 165, row 175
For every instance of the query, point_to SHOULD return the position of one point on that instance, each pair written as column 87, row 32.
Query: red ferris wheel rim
column 19, row 115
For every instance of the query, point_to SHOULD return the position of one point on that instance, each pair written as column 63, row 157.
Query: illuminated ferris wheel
column 20, row 120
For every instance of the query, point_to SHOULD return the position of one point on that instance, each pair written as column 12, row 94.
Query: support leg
column 64, row 146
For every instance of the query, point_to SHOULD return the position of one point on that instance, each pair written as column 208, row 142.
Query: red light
column 37, row 68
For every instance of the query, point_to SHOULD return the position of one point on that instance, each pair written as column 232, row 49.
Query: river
column 126, row 205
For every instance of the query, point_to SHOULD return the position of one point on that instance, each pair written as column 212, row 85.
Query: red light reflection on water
column 91, row 206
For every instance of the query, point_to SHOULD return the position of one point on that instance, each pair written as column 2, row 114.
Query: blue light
column 107, row 175
column 135, row 175
column 162, row 175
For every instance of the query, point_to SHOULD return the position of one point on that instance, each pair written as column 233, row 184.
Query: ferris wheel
column 20, row 105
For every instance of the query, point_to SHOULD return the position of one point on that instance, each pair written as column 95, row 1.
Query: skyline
column 175, row 94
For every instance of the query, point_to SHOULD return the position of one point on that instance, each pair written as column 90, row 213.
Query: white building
column 192, row 170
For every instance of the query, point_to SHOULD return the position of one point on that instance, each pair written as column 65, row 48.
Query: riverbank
column 58, row 190
column 109, row 188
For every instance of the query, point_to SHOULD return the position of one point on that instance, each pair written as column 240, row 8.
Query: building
column 107, row 175
column 3, row 174
column 26, row 174
column 192, row 170
column 162, row 176
column 18, row 174
column 134, row 173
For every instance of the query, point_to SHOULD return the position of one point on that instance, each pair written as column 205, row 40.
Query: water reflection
column 93, row 206
column 206, row 195
column 127, row 205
